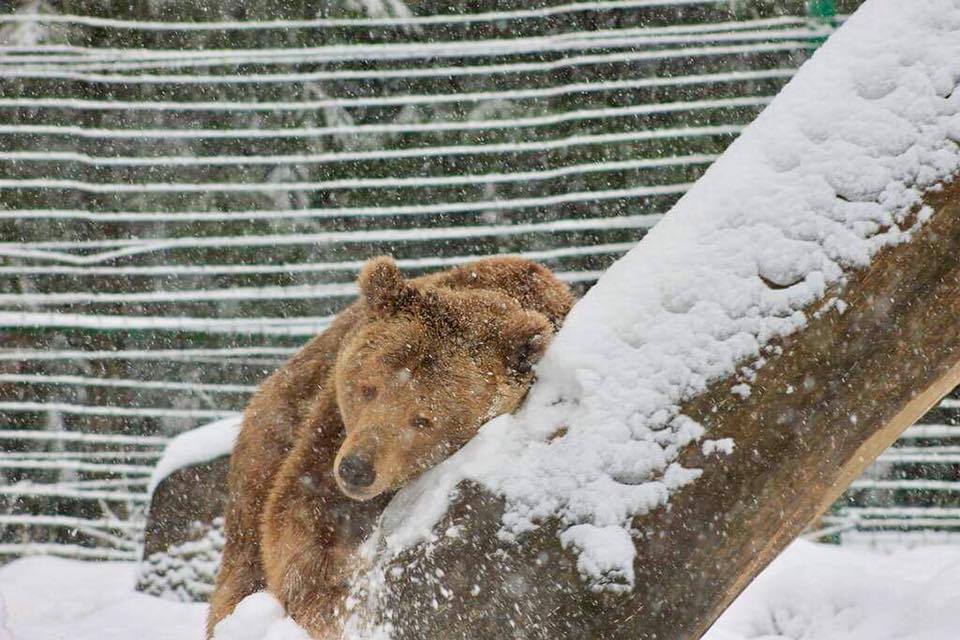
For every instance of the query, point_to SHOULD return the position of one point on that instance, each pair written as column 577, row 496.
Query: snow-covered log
column 724, row 381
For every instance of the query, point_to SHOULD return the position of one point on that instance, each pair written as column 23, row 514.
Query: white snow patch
column 821, row 181
column 601, row 552
column 723, row 445
column 259, row 617
column 195, row 446
column 53, row 598
column 742, row 390
column 820, row 592
column 4, row 633
column 811, row 592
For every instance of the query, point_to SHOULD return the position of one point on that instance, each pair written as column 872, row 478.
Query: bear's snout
column 356, row 471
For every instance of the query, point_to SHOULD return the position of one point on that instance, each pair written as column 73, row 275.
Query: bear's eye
column 421, row 422
column 368, row 393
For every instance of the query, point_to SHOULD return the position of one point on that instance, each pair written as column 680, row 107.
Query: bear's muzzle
column 356, row 471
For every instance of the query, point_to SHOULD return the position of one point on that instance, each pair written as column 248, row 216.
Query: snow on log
column 724, row 381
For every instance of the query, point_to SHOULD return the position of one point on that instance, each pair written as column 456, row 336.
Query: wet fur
column 290, row 528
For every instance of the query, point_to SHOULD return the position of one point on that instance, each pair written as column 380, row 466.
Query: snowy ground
column 812, row 592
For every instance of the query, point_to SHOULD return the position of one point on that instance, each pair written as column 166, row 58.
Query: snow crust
column 824, row 178
column 811, row 592
column 195, row 446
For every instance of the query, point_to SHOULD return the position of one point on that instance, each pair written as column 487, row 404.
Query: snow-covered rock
column 195, row 446
column 183, row 536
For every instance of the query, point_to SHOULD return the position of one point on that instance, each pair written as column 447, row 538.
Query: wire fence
column 186, row 195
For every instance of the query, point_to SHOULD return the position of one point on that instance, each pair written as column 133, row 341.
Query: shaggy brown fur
column 401, row 379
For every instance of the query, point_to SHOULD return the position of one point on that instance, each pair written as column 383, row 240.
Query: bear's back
column 530, row 284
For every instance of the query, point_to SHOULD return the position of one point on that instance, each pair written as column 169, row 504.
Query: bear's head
column 425, row 370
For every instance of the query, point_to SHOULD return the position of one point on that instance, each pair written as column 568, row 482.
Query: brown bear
column 400, row 379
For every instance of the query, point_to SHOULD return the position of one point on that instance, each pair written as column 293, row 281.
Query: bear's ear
column 383, row 287
column 525, row 337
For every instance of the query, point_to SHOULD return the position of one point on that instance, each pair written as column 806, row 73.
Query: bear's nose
column 356, row 471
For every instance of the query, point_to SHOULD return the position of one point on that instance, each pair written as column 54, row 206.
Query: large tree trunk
column 842, row 390
column 826, row 401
